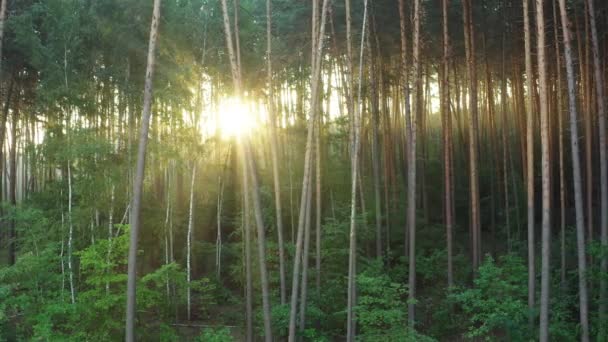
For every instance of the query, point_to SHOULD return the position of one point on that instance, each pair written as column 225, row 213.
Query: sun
column 235, row 118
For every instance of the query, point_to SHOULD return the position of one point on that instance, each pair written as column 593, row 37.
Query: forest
column 303, row 170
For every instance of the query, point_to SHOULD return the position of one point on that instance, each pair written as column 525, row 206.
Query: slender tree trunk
column 352, row 250
column 304, row 286
column 261, row 237
column 70, row 235
column 601, row 111
column 447, row 140
column 139, row 177
column 505, row 142
column 218, row 239
column 12, row 234
column 3, row 5
column 587, row 105
column 247, row 243
column 110, row 232
column 576, row 170
column 407, row 114
column 249, row 165
column 411, row 174
column 545, row 160
column 473, row 135
column 273, row 150
column 560, row 124
column 318, row 207
column 376, row 152
column 189, row 241
column 530, row 163
column 316, row 71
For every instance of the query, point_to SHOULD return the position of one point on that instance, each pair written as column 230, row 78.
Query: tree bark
column 447, row 141
column 530, row 163
column 273, row 150
column 473, row 133
column 352, row 250
column 139, row 177
column 261, row 237
column 601, row 114
column 316, row 72
column 189, row 241
column 576, row 172
column 545, row 160
column 411, row 174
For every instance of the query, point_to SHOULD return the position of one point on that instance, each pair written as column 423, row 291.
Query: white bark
column 189, row 241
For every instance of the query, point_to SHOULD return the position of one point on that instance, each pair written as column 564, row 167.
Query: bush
column 497, row 305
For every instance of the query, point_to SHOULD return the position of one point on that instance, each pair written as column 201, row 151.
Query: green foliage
column 381, row 308
column 215, row 335
column 35, row 295
column 496, row 306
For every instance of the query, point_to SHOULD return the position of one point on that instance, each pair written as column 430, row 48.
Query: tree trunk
column 530, row 163
column 261, row 237
column 473, row 135
column 139, row 177
column 576, row 171
column 560, row 127
column 505, row 143
column 316, row 72
column 601, row 113
column 447, row 140
column 545, row 160
column 247, row 242
column 411, row 175
column 189, row 241
column 352, row 249
column 305, row 258
column 375, row 150
column 273, row 150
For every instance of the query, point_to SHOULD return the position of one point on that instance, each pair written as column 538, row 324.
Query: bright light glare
column 235, row 118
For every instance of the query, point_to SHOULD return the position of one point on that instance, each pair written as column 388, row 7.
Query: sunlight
column 235, row 118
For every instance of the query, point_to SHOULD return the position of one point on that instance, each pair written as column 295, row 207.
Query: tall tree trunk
column 576, row 173
column 247, row 243
column 473, row 135
column 273, row 150
column 218, row 238
column 411, row 173
column 12, row 192
column 316, row 74
column 352, row 249
column 139, row 177
column 545, row 165
column 70, row 236
column 530, row 163
column 250, row 167
column 305, row 258
column 189, row 241
column 505, row 142
column 261, row 237
column 601, row 113
column 318, row 207
column 560, row 127
column 447, row 140
column 407, row 114
column 375, row 150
